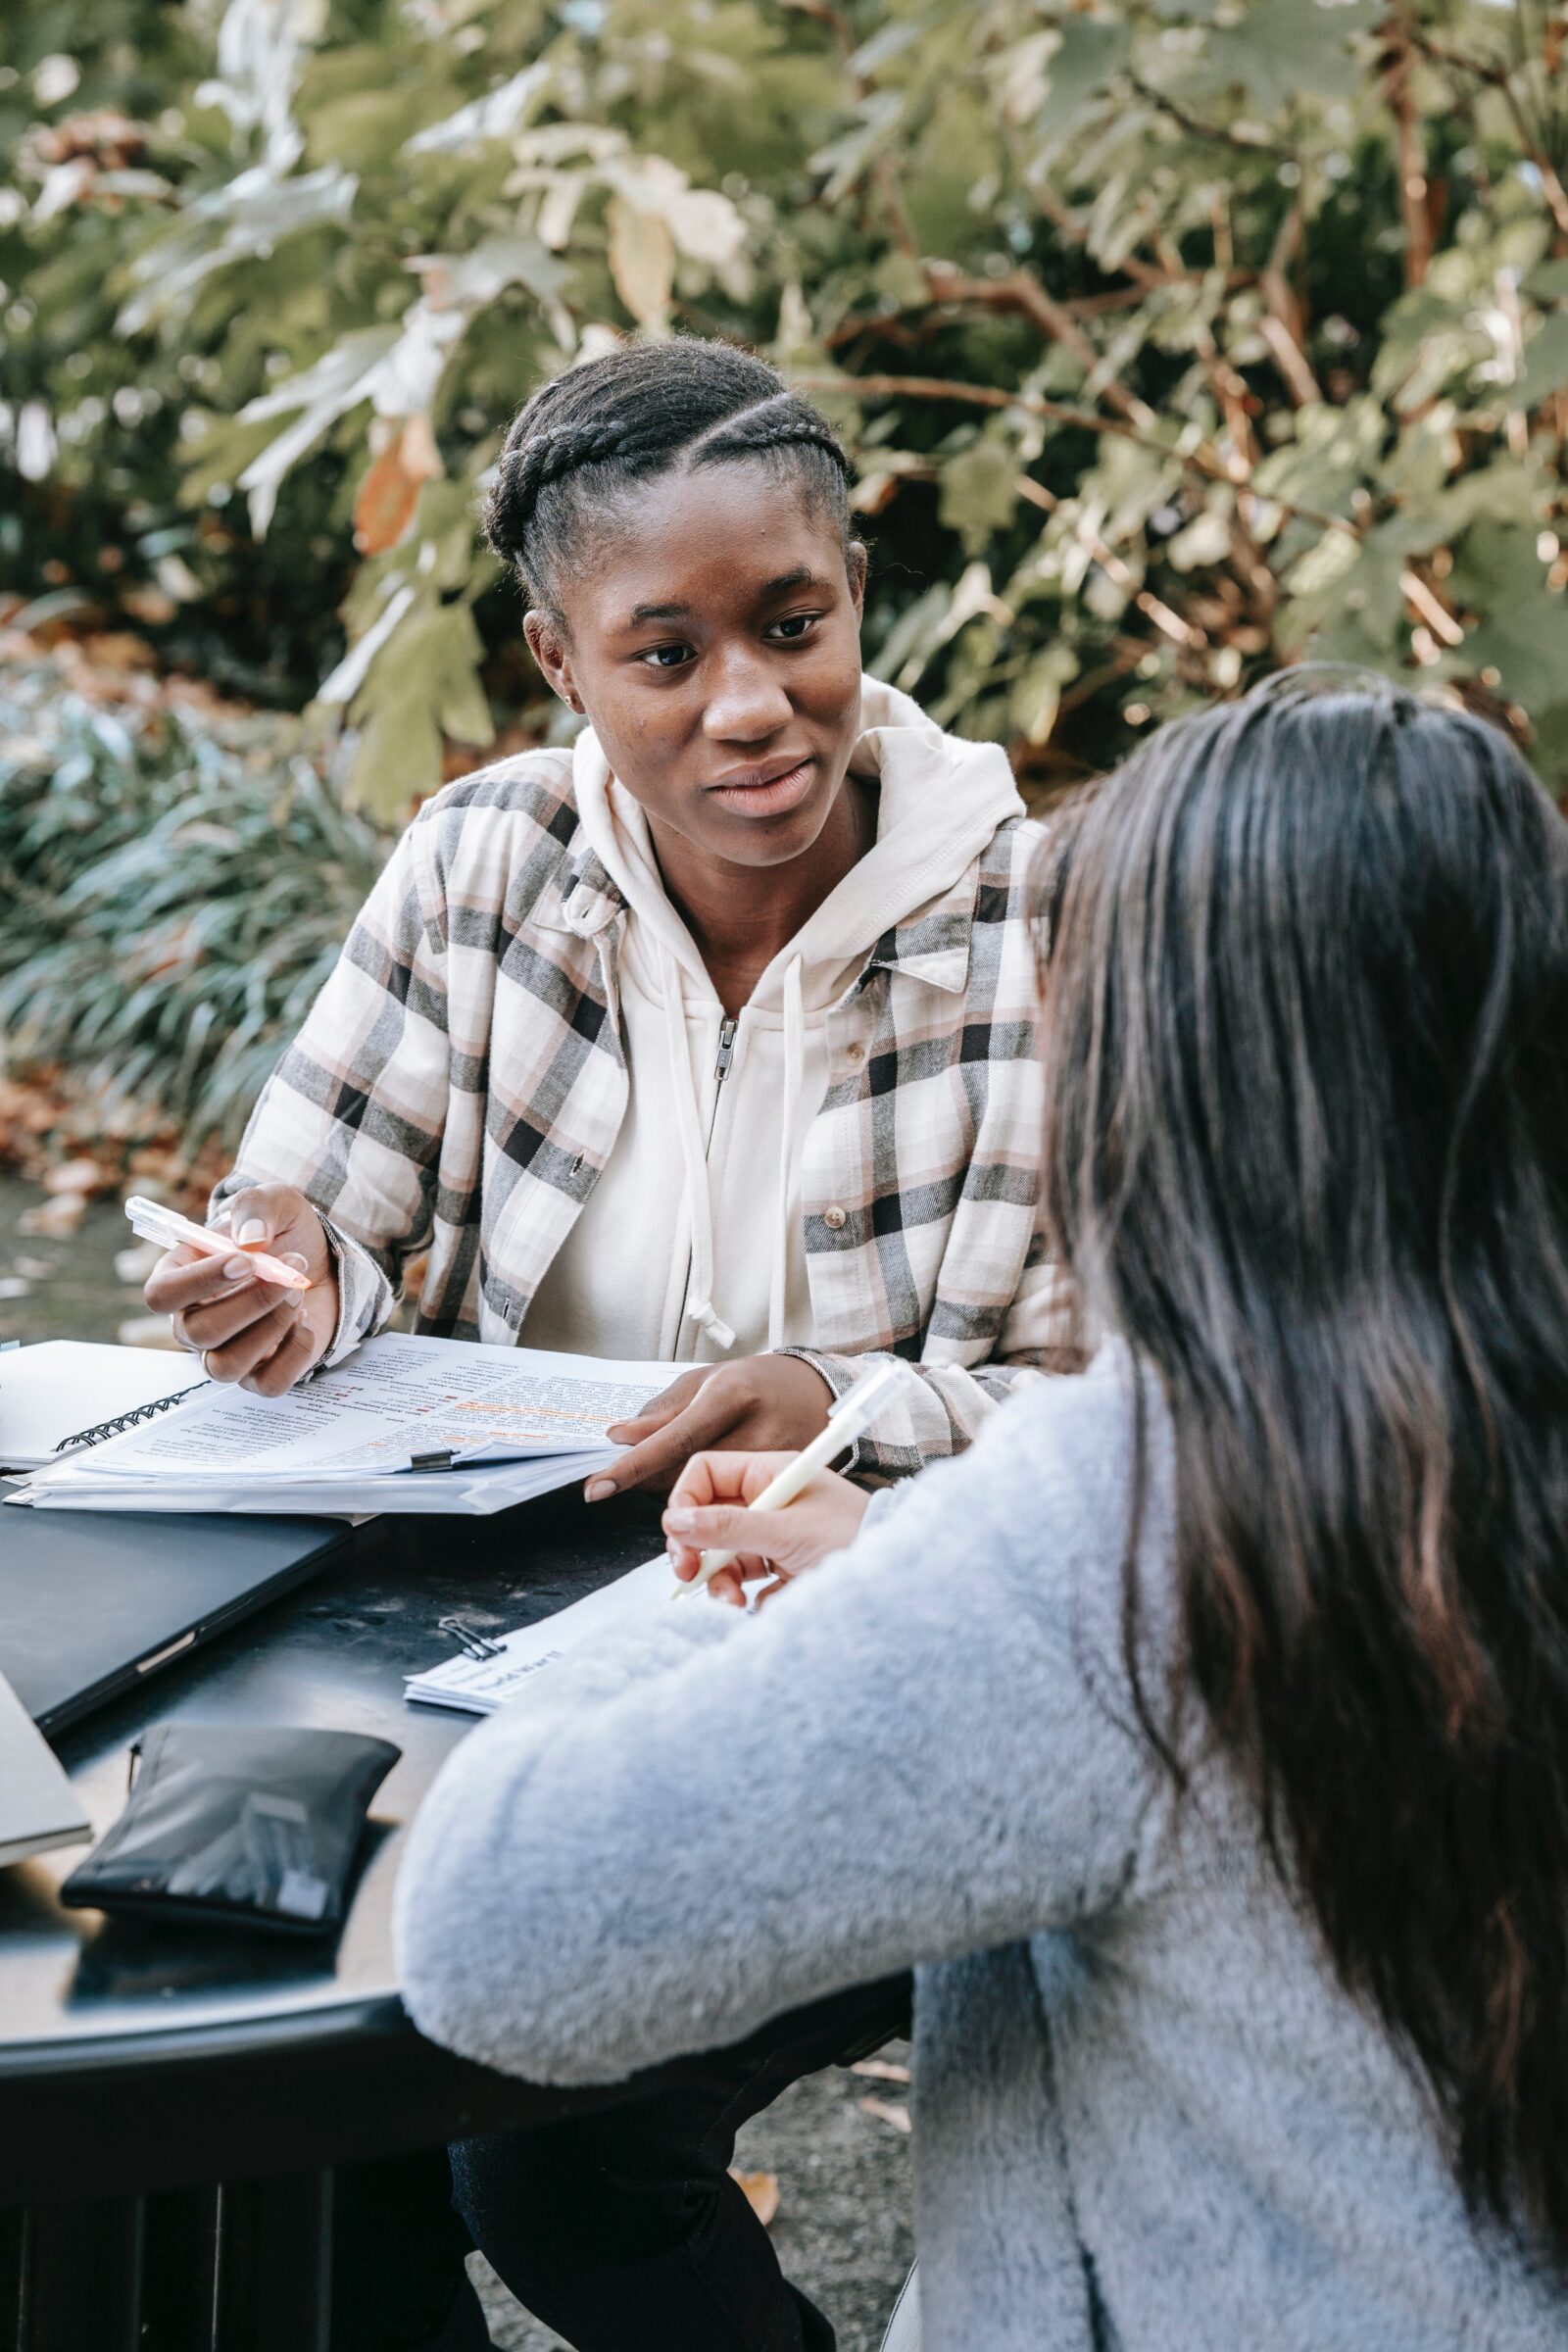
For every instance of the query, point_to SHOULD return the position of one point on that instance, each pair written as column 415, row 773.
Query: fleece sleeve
column 906, row 1758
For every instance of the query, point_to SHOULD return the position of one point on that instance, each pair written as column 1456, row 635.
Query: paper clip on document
column 469, row 1639
column 155, row 1223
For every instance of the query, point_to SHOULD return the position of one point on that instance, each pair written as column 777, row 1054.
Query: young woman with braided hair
column 709, row 1041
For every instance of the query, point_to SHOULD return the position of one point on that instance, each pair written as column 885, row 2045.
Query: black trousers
column 620, row 2229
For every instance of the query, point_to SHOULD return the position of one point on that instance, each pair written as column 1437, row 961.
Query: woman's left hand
column 709, row 1512
column 762, row 1403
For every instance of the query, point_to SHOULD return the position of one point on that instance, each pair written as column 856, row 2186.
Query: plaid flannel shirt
column 461, row 1081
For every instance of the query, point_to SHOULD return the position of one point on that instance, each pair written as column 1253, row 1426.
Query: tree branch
column 1227, row 387
column 1022, row 291
column 1283, row 328
column 1058, row 412
column 1410, row 146
column 1170, row 625
column 1197, row 129
column 1498, row 78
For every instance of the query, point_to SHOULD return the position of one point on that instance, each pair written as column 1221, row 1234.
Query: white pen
column 847, row 1416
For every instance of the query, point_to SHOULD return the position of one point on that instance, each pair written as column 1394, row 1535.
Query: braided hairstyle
column 575, row 452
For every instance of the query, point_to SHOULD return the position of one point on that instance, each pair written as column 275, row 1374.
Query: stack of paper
column 402, row 1425
column 479, row 1685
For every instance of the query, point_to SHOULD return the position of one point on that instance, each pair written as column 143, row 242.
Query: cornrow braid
column 585, row 439
column 782, row 421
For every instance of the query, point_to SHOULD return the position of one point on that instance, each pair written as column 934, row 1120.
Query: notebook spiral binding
column 124, row 1421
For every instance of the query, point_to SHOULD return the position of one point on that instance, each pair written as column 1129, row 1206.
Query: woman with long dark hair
column 1201, row 1737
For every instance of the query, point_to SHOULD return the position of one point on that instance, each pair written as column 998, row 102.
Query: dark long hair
column 1308, row 1033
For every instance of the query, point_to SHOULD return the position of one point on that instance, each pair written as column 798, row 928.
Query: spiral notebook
column 63, row 1395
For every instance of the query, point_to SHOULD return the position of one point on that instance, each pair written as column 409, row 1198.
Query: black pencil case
column 252, row 1828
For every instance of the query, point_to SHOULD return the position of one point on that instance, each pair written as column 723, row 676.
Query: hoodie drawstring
column 694, row 1156
column 794, row 1074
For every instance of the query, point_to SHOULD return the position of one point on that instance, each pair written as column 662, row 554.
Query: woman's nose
column 748, row 701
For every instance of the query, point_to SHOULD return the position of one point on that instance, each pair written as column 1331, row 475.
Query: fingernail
column 683, row 1520
column 598, row 1489
column 297, row 1259
column 237, row 1269
column 251, row 1232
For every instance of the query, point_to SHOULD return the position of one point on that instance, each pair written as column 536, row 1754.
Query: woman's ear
column 855, row 563
column 547, row 642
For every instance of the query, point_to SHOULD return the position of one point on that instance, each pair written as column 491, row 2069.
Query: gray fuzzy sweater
column 1147, row 2119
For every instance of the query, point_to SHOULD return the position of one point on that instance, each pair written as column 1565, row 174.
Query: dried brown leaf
column 642, row 261
column 77, row 1176
column 760, row 2191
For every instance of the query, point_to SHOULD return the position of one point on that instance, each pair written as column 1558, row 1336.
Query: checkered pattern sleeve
column 940, row 1411
column 353, row 1113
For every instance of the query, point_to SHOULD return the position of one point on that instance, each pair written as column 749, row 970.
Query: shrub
column 176, row 887
column 1175, row 339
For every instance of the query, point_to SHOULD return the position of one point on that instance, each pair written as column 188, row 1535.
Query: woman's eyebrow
column 803, row 577
column 642, row 612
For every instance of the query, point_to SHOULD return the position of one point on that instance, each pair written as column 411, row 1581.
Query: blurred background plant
column 1174, row 339
column 177, row 880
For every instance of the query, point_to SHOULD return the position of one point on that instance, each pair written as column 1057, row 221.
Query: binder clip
column 469, row 1639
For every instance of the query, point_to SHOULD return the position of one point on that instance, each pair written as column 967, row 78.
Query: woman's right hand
column 246, row 1330
column 709, row 1512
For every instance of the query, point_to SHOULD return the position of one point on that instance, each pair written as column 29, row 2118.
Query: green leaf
column 1545, row 363
column 1333, row 453
column 978, row 493
column 1090, row 54
column 1524, row 628
column 1281, row 51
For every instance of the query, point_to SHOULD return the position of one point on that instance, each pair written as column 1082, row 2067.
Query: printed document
column 479, row 1686
column 463, row 1426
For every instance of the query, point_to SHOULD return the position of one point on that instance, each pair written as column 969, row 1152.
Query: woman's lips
column 768, row 795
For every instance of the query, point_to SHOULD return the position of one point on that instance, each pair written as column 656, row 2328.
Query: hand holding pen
column 265, row 1334
column 754, row 1511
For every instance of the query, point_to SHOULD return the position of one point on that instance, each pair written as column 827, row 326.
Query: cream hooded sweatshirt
column 692, row 1246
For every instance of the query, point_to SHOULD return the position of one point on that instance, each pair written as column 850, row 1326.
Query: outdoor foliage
column 1174, row 338
column 176, row 887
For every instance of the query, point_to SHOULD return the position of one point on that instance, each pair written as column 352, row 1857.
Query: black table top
column 140, row 2054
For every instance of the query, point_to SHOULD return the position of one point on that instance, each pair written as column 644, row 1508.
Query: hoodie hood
column 941, row 801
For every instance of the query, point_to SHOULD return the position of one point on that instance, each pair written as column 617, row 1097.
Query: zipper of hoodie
column 727, row 1028
column 726, row 1053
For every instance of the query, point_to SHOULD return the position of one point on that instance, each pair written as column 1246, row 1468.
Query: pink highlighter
column 155, row 1223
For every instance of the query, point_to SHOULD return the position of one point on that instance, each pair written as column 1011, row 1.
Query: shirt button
column 854, row 1052
column 833, row 1218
